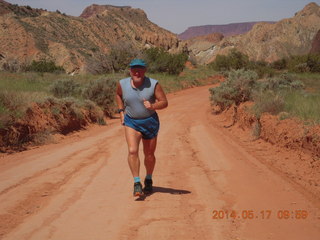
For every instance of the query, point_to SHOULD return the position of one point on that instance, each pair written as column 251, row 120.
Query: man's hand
column 122, row 118
column 148, row 105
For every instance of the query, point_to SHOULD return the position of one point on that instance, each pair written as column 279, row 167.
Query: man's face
column 137, row 73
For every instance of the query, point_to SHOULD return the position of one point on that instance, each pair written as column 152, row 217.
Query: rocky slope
column 316, row 44
column 225, row 29
column 79, row 44
column 270, row 42
column 201, row 47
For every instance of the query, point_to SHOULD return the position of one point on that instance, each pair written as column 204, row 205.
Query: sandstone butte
column 270, row 42
column 78, row 44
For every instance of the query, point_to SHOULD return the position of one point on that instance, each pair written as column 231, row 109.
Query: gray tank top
column 133, row 97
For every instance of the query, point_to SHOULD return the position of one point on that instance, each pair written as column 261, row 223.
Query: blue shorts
column 148, row 127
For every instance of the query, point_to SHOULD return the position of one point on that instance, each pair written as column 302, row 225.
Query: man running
column 138, row 97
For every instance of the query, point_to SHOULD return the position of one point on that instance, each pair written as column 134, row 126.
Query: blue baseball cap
column 137, row 62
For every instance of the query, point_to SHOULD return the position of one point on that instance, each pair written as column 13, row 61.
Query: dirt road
column 81, row 187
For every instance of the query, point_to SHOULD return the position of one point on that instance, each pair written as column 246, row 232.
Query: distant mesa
column 225, row 29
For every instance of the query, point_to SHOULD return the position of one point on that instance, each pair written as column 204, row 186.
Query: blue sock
column 149, row 176
column 136, row 179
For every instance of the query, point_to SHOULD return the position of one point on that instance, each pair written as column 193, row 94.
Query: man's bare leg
column 133, row 138
column 149, row 148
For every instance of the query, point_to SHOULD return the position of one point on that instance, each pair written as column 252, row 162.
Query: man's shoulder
column 152, row 80
column 124, row 80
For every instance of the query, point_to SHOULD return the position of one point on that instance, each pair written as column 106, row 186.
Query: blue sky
column 177, row 15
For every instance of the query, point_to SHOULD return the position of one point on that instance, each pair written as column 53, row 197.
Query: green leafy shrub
column 44, row 66
column 304, row 63
column 102, row 92
column 236, row 89
column 234, row 60
column 161, row 61
column 65, row 88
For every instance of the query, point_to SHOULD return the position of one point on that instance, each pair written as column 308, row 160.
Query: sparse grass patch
column 310, row 80
column 12, row 106
column 269, row 101
column 304, row 106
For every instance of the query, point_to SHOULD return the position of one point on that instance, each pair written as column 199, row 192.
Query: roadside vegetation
column 289, row 86
column 58, row 94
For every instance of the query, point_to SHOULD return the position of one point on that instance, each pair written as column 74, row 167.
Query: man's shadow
column 163, row 190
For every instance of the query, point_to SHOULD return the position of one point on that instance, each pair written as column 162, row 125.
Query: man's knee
column 149, row 156
column 133, row 152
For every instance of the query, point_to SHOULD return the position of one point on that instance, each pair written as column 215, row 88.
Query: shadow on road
column 163, row 190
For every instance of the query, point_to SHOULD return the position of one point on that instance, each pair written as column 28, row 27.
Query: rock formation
column 78, row 44
column 270, row 42
column 201, row 48
column 316, row 44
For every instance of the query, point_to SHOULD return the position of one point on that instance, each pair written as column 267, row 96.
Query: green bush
column 161, row 61
column 65, row 88
column 304, row 63
column 44, row 66
column 234, row 60
column 236, row 89
column 102, row 92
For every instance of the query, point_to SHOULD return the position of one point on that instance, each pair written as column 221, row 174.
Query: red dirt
column 80, row 188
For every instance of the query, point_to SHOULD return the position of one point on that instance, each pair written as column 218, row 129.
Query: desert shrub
column 283, row 81
column 44, row 66
column 234, row 60
column 65, row 88
column 102, row 92
column 236, row 89
column 161, row 61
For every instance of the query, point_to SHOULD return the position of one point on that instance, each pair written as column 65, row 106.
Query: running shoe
column 148, row 186
column 137, row 189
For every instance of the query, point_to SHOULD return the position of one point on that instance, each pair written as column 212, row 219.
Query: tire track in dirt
column 39, row 188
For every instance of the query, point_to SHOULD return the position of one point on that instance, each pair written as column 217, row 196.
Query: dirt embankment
column 298, row 144
column 44, row 119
